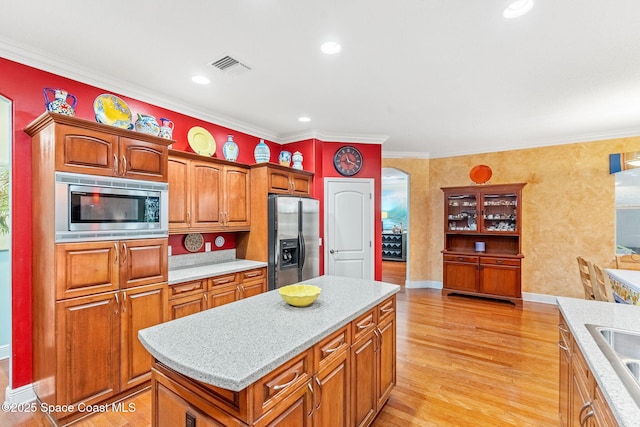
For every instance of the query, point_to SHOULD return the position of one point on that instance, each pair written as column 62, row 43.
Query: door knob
column 332, row 251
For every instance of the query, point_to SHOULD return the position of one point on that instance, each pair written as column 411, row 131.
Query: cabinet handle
column 188, row 217
column 124, row 302
column 222, row 217
column 206, row 298
column 562, row 346
column 117, row 302
column 310, row 387
column 320, row 393
column 241, row 289
column 562, row 328
column 116, row 170
column 124, row 165
column 281, row 386
column 378, row 334
column 498, row 261
column 115, row 247
column 333, row 349
column 588, row 415
column 386, row 310
column 124, row 252
column 460, row 258
column 365, row 326
column 254, row 274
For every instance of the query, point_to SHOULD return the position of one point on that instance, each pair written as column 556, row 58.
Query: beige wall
column 568, row 208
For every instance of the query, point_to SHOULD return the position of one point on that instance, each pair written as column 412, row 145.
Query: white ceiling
column 429, row 77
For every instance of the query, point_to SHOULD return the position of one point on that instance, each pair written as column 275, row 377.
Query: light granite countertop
column 578, row 313
column 236, row 344
column 184, row 268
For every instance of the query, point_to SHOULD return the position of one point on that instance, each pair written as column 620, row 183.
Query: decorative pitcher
column 59, row 104
column 230, row 149
column 262, row 153
column 285, row 158
column 166, row 128
column 147, row 124
column 297, row 160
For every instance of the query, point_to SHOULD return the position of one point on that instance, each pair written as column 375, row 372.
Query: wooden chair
column 602, row 287
column 585, row 278
column 628, row 262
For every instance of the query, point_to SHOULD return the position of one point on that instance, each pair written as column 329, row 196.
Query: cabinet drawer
column 187, row 288
column 461, row 258
column 500, row 261
column 331, row 347
column 363, row 325
column 257, row 273
column 386, row 309
column 223, row 280
column 281, row 382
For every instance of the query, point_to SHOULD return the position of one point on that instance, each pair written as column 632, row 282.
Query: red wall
column 23, row 85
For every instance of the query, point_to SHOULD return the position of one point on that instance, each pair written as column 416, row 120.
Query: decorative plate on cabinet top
column 480, row 174
column 113, row 111
column 201, row 141
column 193, row 242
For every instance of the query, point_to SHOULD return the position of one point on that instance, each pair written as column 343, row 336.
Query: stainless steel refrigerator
column 294, row 245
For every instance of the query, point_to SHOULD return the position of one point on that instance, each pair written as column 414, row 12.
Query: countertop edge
column 203, row 271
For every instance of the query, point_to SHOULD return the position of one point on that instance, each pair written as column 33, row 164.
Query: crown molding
column 333, row 137
column 38, row 59
column 405, row 155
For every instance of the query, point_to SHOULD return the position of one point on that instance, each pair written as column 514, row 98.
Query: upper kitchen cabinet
column 282, row 180
column 86, row 147
column 207, row 194
column 482, row 244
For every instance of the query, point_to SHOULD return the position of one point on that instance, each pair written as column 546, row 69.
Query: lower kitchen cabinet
column 581, row 400
column 363, row 396
column 184, row 306
column 98, row 351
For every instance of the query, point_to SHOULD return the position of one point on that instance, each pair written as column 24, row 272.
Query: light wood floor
column 460, row 362
column 394, row 272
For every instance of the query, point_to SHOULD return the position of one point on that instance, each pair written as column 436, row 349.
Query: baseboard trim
column 434, row 284
column 23, row 394
column 4, row 351
column 422, row 284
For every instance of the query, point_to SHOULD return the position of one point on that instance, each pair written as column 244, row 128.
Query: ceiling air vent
column 230, row 65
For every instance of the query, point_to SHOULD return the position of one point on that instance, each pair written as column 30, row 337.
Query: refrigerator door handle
column 302, row 251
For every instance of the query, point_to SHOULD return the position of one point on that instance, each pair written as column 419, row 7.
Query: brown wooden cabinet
column 92, row 148
column 320, row 387
column 90, row 299
column 207, row 194
column 482, row 254
column 268, row 178
column 581, row 401
column 196, row 296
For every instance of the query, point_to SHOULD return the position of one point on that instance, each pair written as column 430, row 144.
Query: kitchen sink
column 622, row 349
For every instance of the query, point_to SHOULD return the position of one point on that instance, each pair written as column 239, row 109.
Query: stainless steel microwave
column 92, row 207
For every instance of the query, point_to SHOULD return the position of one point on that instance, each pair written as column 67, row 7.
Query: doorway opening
column 395, row 225
column 5, row 231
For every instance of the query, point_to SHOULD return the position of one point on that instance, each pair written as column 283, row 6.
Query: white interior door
column 348, row 227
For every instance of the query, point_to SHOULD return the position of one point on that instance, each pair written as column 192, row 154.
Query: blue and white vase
column 230, row 149
column 297, row 160
column 60, row 102
column 285, row 158
column 261, row 153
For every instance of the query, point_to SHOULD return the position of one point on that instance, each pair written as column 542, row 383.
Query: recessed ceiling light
column 201, row 80
column 517, row 9
column 330, row 47
column 304, row 119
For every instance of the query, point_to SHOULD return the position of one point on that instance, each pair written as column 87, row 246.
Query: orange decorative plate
column 480, row 174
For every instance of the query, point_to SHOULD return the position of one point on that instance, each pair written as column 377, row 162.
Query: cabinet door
column 88, row 349
column 86, row 268
column 500, row 211
column 386, row 359
column 206, row 191
column 460, row 276
column 363, row 374
column 178, row 179
column 171, row 410
column 498, row 279
column 185, row 306
column 143, row 262
column 331, row 393
column 143, row 160
column 301, row 184
column 295, row 410
column 223, row 294
column 141, row 307
column 252, row 288
column 279, row 182
column 86, row 151
column 237, row 197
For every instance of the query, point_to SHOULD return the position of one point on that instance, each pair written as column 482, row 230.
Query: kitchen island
column 260, row 361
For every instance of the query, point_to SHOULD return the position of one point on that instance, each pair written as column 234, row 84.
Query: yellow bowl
column 299, row 295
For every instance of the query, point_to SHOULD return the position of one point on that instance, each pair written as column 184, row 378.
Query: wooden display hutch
column 482, row 245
